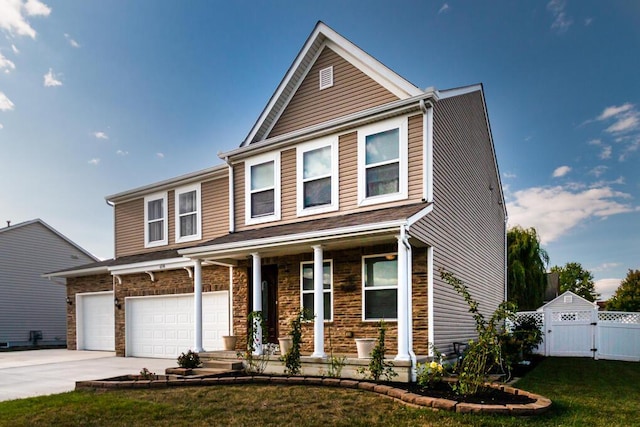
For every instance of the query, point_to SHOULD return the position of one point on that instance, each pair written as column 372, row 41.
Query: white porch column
column 403, row 301
column 257, row 300
column 197, row 302
column 318, row 302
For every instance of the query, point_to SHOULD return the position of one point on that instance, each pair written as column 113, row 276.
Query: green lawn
column 585, row 393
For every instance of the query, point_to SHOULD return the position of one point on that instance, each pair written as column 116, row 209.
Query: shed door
column 95, row 321
column 571, row 333
column 163, row 326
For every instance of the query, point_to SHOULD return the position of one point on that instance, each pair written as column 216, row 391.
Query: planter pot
column 285, row 344
column 365, row 347
column 229, row 342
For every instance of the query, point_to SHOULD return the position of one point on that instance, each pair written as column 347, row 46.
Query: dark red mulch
column 487, row 396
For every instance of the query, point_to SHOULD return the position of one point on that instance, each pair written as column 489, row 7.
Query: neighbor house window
column 262, row 187
column 188, row 213
column 306, row 285
column 382, row 162
column 317, row 176
column 380, row 287
column 155, row 219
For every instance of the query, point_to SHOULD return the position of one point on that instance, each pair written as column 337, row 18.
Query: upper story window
column 155, row 220
column 380, row 287
column 188, row 213
column 382, row 162
column 307, row 292
column 262, row 188
column 317, row 176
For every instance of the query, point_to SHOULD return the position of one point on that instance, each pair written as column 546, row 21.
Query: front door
column 269, row 300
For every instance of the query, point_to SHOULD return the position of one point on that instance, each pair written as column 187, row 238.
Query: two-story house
column 352, row 190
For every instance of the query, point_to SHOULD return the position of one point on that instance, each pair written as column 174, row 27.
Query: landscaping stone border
column 541, row 404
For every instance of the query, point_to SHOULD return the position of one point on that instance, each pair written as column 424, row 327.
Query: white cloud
column 606, row 287
column 71, row 41
column 528, row 138
column 6, row 63
column 160, row 155
column 595, row 142
column 561, row 22
column 555, row 211
column 94, row 161
column 509, row 175
column 5, row 103
column 50, row 79
column 606, row 152
column 588, row 21
column 15, row 49
column 561, row 171
column 443, row 9
column 605, row 266
column 122, row 153
column 598, row 171
column 625, row 124
column 13, row 15
column 1, row 126
column 614, row 111
column 101, row 135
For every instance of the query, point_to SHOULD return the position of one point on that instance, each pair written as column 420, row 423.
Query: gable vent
column 326, row 77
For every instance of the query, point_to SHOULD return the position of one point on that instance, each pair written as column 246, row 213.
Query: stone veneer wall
column 347, row 300
column 75, row 285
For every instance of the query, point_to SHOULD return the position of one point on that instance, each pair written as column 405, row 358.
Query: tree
column 572, row 277
column 627, row 296
column 526, row 268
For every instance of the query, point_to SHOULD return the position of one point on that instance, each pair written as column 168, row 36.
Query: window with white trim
column 155, row 220
column 262, row 188
column 306, row 288
column 317, row 176
column 188, row 213
column 382, row 162
column 380, row 287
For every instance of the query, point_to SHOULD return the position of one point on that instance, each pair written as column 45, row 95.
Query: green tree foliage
column 526, row 268
column 627, row 296
column 572, row 277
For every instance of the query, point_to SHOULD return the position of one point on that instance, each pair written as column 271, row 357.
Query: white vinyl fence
column 582, row 332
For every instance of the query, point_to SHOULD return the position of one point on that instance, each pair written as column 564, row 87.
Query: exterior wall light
column 116, row 302
column 69, row 301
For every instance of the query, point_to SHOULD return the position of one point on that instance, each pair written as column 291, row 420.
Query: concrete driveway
column 41, row 372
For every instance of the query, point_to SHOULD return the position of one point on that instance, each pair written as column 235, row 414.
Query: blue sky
column 97, row 97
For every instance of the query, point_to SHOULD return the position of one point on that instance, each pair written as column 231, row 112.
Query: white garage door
column 95, row 321
column 163, row 326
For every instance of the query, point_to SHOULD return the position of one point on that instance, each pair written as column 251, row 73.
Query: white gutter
column 76, row 273
column 412, row 355
column 350, row 121
column 256, row 244
column 232, row 200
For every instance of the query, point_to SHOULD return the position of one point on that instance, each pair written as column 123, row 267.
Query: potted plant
column 229, row 342
column 285, row 344
column 365, row 347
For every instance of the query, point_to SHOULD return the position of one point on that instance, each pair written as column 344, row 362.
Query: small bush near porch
column 584, row 391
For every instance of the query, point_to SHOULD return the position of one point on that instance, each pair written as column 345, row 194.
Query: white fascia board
column 157, row 265
column 215, row 172
column 419, row 215
column 77, row 273
column 351, row 121
column 313, row 236
column 450, row 93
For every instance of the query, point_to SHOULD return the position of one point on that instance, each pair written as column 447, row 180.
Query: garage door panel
column 96, row 320
column 163, row 326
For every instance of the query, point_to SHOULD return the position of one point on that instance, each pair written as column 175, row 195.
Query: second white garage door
column 95, row 321
column 163, row 326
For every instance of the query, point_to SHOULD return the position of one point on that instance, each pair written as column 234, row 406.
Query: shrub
column 189, row 360
column 378, row 367
column 292, row 358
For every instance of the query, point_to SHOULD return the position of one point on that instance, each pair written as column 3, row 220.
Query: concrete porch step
column 223, row 365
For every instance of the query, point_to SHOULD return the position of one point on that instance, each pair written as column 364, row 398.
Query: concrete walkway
column 41, row 372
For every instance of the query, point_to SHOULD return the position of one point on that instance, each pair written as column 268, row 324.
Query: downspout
column 405, row 241
column 427, row 149
column 232, row 204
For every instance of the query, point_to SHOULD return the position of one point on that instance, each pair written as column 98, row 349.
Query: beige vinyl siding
column 348, row 179
column 129, row 219
column 215, row 208
column 466, row 227
column 129, row 226
column 352, row 91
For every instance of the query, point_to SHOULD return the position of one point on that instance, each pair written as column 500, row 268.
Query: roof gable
column 321, row 37
column 568, row 300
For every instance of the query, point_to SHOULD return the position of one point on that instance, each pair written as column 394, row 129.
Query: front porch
column 312, row 366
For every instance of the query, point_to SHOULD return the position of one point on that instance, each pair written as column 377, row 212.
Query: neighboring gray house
column 33, row 308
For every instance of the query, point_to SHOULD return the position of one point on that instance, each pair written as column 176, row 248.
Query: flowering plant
column 428, row 374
